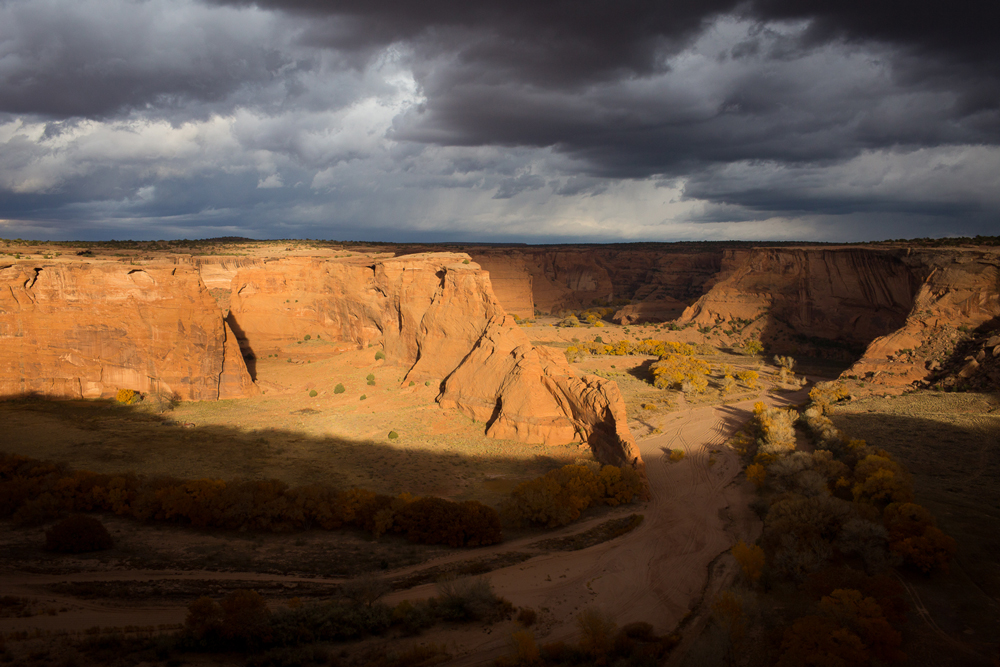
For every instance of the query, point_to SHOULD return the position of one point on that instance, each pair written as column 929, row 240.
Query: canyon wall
column 956, row 307
column 89, row 329
column 659, row 280
column 436, row 315
column 851, row 295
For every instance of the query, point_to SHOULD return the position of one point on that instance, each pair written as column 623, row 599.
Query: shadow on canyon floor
column 106, row 437
column 951, row 445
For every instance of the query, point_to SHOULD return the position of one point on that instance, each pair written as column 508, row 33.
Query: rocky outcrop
column 849, row 295
column 946, row 337
column 436, row 315
column 89, row 329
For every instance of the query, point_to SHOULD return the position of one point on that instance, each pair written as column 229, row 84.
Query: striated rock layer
column 957, row 302
column 660, row 280
column 436, row 314
column 846, row 294
column 89, row 329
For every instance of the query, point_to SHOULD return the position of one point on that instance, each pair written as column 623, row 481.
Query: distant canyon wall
column 660, row 283
column 846, row 294
column 85, row 330
column 436, row 315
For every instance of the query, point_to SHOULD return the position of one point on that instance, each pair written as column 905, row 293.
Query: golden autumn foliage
column 748, row 378
column 757, row 474
column 751, row 560
column 558, row 497
column 913, row 535
column 268, row 505
column 673, row 370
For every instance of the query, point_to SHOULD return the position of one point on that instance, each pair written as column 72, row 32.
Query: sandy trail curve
column 657, row 573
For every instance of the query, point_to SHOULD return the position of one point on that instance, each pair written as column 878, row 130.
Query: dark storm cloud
column 98, row 59
column 392, row 114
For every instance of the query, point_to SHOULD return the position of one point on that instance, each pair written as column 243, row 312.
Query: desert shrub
column 306, row 337
column 470, row 599
column 204, row 618
column 878, row 478
column 558, row 497
column 728, row 384
column 677, row 455
column 525, row 648
column 748, row 378
column 751, row 560
column 78, row 534
column 439, row 521
column 370, row 378
column 527, row 616
column 865, row 539
column 127, row 396
column 363, row 397
column 816, row 640
column 379, row 355
column 245, row 618
column 864, row 617
column 313, row 393
column 752, row 347
column 757, row 474
column 914, row 537
column 339, row 389
column 413, row 617
column 786, row 363
column 825, row 393
column 37, row 511
column 776, row 429
column 673, row 370
column 365, row 590
column 597, row 633
column 393, row 435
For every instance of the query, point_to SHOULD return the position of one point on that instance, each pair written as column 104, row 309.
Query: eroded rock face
column 846, row 294
column 89, row 329
column 660, row 281
column 960, row 293
column 436, row 314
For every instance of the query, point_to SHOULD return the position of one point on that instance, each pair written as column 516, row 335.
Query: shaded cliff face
column 436, row 315
column 950, row 335
column 847, row 295
column 87, row 330
column 660, row 282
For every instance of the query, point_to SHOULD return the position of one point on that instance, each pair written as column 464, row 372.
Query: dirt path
column 657, row 573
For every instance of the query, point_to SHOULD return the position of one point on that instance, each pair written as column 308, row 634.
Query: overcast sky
column 515, row 120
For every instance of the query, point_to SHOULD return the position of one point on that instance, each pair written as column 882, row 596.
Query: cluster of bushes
column 844, row 502
column 558, row 497
column 127, row 396
column 681, row 372
column 242, row 621
column 33, row 491
column 601, row 643
column 590, row 317
column 649, row 346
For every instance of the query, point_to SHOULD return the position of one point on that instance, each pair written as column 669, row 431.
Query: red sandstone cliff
column 851, row 295
column 960, row 293
column 89, row 329
column 436, row 315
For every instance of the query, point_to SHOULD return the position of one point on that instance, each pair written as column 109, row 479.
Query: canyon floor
column 662, row 572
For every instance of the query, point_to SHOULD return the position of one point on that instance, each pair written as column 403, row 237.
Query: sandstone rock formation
column 960, row 293
column 660, row 280
column 850, row 295
column 89, row 329
column 436, row 315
